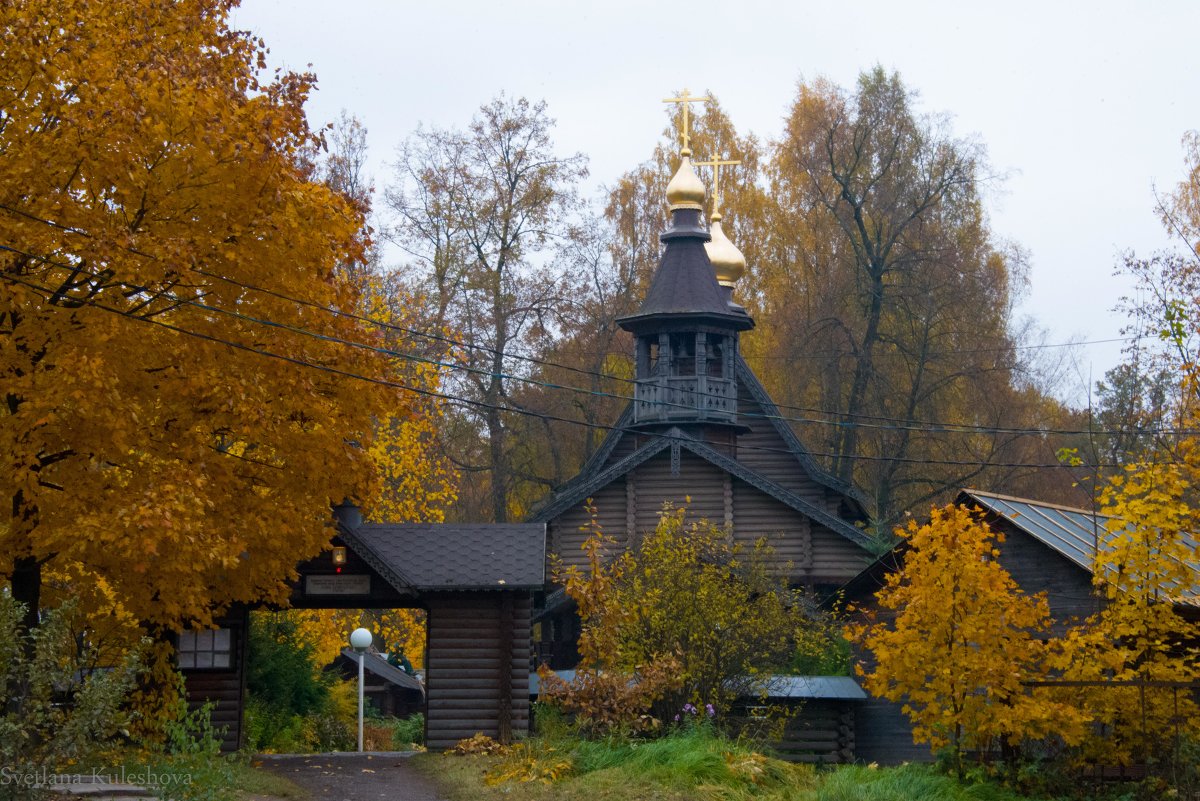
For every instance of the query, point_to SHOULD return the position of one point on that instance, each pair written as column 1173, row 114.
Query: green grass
column 856, row 783
column 690, row 766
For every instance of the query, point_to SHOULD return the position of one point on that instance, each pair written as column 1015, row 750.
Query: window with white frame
column 211, row 649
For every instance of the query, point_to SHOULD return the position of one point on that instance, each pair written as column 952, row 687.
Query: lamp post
column 360, row 641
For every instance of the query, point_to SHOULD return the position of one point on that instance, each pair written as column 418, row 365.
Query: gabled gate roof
column 453, row 556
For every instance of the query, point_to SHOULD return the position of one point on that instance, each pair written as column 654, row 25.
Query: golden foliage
column 477, row 744
column 1139, row 645
column 186, row 473
column 417, row 482
column 961, row 640
column 724, row 609
column 530, row 762
column 607, row 692
column 327, row 631
column 685, row 616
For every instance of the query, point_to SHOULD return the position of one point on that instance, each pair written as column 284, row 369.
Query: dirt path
column 354, row 777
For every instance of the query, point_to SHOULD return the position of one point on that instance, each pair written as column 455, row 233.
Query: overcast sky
column 1081, row 105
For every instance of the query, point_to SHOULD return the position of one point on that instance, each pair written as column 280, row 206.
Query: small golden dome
column 686, row 190
column 728, row 262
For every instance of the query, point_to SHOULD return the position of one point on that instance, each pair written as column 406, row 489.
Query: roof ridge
column 764, row 484
column 573, row 492
column 797, row 448
column 400, row 582
column 1032, row 502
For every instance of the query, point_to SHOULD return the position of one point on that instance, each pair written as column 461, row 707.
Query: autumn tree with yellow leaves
column 698, row 618
column 955, row 639
column 1138, row 656
column 181, row 408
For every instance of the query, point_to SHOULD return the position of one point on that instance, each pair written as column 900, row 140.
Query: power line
column 898, row 423
column 997, row 349
column 482, row 404
column 880, row 422
column 894, row 424
column 326, row 309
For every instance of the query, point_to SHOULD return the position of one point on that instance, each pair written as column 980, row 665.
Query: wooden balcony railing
column 688, row 398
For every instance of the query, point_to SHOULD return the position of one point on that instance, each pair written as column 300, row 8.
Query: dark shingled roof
column 455, row 556
column 684, row 283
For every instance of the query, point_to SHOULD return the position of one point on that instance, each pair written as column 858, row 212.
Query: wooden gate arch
column 476, row 583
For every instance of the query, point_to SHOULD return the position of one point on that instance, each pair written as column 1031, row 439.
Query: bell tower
column 688, row 325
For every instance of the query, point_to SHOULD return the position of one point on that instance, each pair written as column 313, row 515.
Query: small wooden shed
column 389, row 689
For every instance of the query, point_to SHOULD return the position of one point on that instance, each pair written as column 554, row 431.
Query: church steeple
column 687, row 327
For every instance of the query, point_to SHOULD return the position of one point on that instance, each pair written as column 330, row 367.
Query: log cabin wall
column 695, row 479
column 822, row 732
column 632, row 504
column 225, row 689
column 477, row 671
column 884, row 735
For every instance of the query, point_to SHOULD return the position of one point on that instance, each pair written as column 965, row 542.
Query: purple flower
column 691, row 710
column 677, row 718
column 712, row 713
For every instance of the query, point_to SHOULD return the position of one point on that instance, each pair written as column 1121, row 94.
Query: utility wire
column 897, row 426
column 482, row 404
column 900, row 424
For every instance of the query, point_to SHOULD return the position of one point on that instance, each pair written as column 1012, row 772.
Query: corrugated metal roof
column 1071, row 532
column 839, row 688
column 457, row 556
column 834, row 688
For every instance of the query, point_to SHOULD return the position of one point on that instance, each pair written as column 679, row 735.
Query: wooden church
column 701, row 430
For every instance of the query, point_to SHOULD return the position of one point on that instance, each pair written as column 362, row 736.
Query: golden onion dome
column 728, row 262
column 686, row 190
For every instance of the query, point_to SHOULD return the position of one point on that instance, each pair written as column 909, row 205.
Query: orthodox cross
column 717, row 164
column 686, row 99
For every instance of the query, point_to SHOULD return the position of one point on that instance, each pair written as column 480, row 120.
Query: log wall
column 630, row 506
column 818, row 731
column 477, row 670
column 225, row 689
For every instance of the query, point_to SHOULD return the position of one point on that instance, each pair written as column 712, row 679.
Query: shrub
column 821, row 649
column 294, row 706
column 281, row 670
column 685, row 616
column 408, row 732
column 52, row 713
column 191, row 756
column 325, row 731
